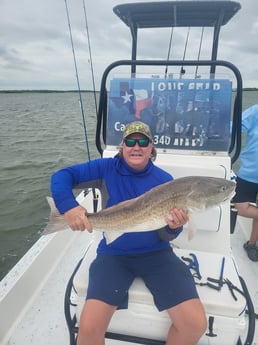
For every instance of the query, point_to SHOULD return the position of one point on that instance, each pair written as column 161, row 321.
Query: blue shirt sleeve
column 167, row 234
column 63, row 181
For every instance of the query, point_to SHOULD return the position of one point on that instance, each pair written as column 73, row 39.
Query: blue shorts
column 165, row 275
column 245, row 191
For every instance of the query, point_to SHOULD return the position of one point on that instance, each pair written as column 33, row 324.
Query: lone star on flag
column 127, row 97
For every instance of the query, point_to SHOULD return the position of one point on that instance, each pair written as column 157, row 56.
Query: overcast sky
column 35, row 47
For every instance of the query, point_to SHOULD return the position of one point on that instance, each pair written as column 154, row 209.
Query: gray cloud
column 35, row 49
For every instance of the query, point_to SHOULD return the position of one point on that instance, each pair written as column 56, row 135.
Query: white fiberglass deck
column 43, row 321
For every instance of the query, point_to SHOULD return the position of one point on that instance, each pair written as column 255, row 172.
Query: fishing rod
column 78, row 81
column 182, row 70
column 199, row 53
column 169, row 50
column 91, row 64
column 95, row 197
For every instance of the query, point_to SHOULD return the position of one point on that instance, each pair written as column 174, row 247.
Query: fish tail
column 56, row 220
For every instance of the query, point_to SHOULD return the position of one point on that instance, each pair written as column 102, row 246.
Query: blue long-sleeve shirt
column 117, row 182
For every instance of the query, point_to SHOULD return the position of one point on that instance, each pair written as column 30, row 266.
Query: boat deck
column 247, row 268
column 46, row 308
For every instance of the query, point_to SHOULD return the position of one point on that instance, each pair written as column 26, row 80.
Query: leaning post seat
column 225, row 315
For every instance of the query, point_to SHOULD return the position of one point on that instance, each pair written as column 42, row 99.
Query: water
column 40, row 133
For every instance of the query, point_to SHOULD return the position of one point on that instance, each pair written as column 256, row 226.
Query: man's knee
column 200, row 324
column 196, row 324
column 190, row 318
column 89, row 329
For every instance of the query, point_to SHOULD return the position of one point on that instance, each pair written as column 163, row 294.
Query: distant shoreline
column 250, row 89
column 63, row 91
column 41, row 91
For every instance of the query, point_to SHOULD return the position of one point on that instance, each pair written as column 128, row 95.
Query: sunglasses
column 141, row 142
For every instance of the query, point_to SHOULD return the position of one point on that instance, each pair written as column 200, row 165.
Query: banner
column 192, row 114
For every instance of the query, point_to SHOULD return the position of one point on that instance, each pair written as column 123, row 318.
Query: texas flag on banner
column 134, row 99
column 125, row 99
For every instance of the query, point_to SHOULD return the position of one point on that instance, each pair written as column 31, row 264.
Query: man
column 145, row 254
column 245, row 198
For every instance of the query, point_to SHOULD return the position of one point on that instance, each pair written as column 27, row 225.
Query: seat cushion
column 216, row 302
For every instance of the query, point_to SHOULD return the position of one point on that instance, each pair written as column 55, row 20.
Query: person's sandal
column 252, row 251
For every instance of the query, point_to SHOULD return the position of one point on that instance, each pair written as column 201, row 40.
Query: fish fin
column 111, row 236
column 191, row 230
column 56, row 220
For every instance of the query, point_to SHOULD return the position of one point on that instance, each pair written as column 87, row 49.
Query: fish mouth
column 230, row 196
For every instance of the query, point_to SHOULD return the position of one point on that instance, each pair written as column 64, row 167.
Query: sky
column 36, row 51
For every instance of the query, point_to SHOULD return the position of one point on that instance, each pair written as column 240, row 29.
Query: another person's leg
column 245, row 209
column 254, row 234
column 245, row 201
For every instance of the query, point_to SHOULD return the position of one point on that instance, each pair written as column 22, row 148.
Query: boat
column 41, row 297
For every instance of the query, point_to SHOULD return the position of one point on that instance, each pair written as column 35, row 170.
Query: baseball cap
column 137, row 127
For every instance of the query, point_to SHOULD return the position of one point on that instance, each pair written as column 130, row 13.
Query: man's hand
column 177, row 217
column 77, row 220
